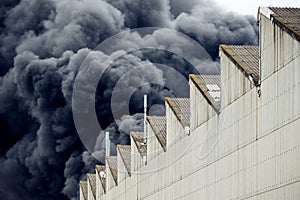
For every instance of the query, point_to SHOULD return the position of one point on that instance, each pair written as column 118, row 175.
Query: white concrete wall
column 279, row 102
column 279, row 112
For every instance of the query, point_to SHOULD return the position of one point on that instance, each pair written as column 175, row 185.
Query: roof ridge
column 242, row 45
column 284, row 7
column 158, row 116
column 123, row 145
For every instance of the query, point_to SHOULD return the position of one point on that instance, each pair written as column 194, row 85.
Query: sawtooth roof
column 201, row 82
column 288, row 19
column 91, row 178
column 138, row 138
column 83, row 185
column 159, row 127
column 181, row 108
column 113, row 166
column 102, row 168
column 246, row 58
column 125, row 152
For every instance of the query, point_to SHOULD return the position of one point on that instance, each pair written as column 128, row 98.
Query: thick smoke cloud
column 140, row 13
column 86, row 23
column 42, row 46
column 20, row 19
column 211, row 28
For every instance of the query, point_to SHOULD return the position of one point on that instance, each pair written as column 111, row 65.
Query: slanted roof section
column 101, row 168
column 181, row 108
column 159, row 127
column 210, row 87
column 246, row 58
column 83, row 186
column 91, row 178
column 125, row 152
column 138, row 138
column 113, row 166
column 288, row 19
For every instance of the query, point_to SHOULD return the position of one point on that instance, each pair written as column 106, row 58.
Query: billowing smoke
column 210, row 28
column 42, row 46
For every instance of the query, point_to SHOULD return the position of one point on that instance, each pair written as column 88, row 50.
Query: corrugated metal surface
column 83, row 185
column 201, row 81
column 92, row 180
column 159, row 126
column 181, row 108
column 113, row 166
column 288, row 18
column 246, row 57
column 138, row 138
column 101, row 168
column 125, row 152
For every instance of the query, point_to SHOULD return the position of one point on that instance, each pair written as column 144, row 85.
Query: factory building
column 236, row 137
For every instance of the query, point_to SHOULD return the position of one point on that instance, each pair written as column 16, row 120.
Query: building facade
column 236, row 137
